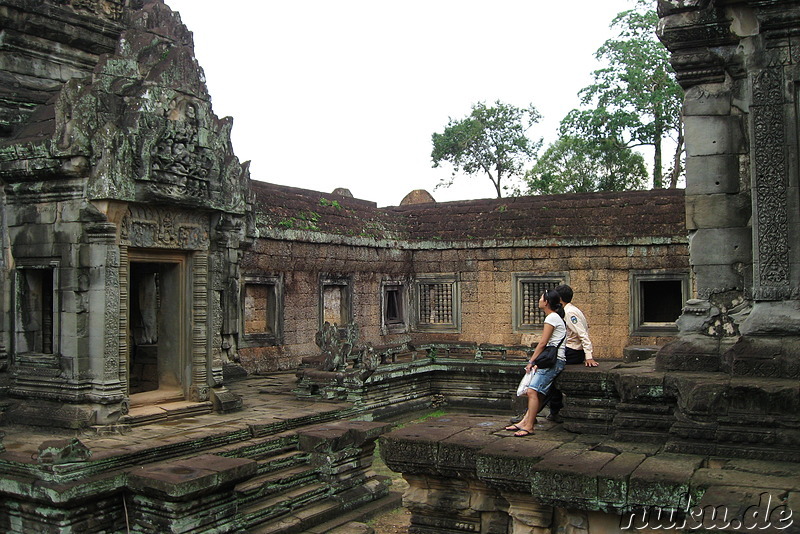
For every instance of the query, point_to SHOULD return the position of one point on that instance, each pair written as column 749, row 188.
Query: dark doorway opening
column 155, row 311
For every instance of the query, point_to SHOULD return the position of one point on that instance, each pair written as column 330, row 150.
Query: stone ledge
column 559, row 469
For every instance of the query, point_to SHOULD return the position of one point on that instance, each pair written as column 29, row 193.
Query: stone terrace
column 467, row 474
column 279, row 465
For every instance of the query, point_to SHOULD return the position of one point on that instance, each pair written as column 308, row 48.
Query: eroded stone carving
column 150, row 227
column 179, row 161
column 770, row 179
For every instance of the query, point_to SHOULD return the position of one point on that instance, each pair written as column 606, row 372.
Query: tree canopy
column 635, row 100
column 490, row 140
column 578, row 165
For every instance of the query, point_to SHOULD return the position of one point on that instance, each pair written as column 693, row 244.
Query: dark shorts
column 574, row 356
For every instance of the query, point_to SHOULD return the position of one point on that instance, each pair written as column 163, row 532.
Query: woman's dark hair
column 553, row 300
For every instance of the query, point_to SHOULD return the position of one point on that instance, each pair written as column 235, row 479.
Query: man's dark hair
column 565, row 292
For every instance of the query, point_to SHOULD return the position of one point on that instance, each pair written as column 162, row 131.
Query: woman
column 553, row 333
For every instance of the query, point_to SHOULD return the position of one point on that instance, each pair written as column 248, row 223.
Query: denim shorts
column 544, row 378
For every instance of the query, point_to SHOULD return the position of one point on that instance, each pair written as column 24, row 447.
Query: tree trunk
column 658, row 179
column 497, row 185
column 677, row 168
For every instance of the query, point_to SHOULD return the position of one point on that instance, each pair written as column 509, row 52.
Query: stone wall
column 301, row 264
column 600, row 276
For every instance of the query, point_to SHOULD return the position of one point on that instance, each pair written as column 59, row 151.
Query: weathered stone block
column 340, row 435
column 708, row 175
column 711, row 135
column 771, row 318
column 690, row 353
column 51, row 414
column 721, row 246
column 569, row 472
column 718, row 210
column 458, row 454
column 636, row 353
column 224, row 400
column 612, row 480
column 701, row 100
column 662, row 479
column 509, row 463
column 189, row 478
column 711, row 279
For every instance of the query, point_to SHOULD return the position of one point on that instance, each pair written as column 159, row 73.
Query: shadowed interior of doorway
column 155, row 329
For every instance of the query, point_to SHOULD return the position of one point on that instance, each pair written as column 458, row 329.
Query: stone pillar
column 740, row 73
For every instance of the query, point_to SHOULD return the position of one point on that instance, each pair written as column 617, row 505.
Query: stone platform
column 279, row 465
column 467, row 474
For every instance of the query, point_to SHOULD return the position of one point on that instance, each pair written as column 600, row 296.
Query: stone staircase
column 281, row 465
column 280, row 483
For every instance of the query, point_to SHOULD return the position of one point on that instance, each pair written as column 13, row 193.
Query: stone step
column 283, row 503
column 363, row 513
column 169, row 411
column 278, row 480
column 301, row 519
column 289, row 458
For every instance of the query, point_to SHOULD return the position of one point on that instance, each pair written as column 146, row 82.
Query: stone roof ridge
column 600, row 216
column 528, row 200
column 260, row 186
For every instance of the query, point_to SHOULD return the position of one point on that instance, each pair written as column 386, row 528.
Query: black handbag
column 549, row 355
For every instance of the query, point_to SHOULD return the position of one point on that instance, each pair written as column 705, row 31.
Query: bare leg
column 529, row 420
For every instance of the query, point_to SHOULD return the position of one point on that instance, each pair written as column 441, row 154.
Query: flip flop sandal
column 522, row 433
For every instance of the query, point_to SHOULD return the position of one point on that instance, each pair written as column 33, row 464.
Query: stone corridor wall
column 301, row 265
column 600, row 277
column 295, row 248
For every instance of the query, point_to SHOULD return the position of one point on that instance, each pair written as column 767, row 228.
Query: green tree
column 578, row 165
column 490, row 140
column 635, row 98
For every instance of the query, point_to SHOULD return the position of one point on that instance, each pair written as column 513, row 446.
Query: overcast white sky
column 347, row 93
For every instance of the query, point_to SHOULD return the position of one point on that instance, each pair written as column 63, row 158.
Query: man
column 578, row 350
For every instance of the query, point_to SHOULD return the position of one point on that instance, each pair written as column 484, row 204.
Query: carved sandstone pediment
column 144, row 122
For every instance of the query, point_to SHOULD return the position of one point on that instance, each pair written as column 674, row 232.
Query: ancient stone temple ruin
column 125, row 209
column 706, row 435
column 184, row 349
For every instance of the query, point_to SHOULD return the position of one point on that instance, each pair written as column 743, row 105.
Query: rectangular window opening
column 262, row 313
column 36, row 310
column 437, row 300
column 657, row 300
column 259, row 309
column 335, row 301
column 526, row 290
column 662, row 301
column 393, row 306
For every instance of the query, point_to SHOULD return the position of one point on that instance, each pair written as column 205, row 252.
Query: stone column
column 739, row 70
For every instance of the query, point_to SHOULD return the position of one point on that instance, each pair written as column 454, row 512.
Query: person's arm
column 547, row 332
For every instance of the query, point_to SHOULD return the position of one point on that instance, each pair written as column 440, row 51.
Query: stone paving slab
column 273, row 397
column 269, row 407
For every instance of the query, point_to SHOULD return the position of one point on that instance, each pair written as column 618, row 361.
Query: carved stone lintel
column 153, row 228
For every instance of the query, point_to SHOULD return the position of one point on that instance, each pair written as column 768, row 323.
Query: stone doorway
column 157, row 309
